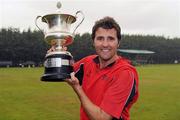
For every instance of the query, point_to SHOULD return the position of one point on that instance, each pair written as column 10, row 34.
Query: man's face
column 106, row 43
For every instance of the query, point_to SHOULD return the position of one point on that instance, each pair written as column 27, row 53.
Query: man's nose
column 105, row 43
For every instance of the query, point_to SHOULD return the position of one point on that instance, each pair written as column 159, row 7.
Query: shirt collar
column 96, row 60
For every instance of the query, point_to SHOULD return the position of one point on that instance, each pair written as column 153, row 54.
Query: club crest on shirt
column 105, row 77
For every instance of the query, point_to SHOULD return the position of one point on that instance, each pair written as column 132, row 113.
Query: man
column 106, row 84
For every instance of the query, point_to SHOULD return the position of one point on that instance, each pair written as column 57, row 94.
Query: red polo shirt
column 113, row 89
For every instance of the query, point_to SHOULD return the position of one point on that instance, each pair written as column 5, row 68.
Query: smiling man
column 106, row 84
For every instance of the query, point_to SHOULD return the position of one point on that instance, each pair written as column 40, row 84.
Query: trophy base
column 57, row 67
column 54, row 77
column 54, row 74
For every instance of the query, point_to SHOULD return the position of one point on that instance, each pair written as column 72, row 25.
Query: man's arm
column 93, row 111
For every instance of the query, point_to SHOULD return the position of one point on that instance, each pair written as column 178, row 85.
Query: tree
column 20, row 47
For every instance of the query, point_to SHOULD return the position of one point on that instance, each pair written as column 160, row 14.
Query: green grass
column 159, row 93
column 24, row 97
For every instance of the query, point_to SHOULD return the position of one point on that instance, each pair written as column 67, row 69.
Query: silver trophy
column 58, row 34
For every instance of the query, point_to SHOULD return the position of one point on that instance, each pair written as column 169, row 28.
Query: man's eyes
column 102, row 38
column 111, row 38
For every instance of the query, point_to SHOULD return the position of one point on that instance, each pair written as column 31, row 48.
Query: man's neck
column 105, row 63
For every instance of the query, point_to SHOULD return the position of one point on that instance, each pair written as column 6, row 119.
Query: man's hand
column 74, row 82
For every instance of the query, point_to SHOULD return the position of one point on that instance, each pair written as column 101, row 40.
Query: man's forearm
column 92, row 110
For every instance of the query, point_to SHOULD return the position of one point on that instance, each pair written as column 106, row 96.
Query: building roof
column 132, row 51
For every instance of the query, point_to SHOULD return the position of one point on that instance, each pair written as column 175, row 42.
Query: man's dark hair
column 106, row 23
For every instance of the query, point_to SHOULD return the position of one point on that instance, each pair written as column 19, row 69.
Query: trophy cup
column 58, row 34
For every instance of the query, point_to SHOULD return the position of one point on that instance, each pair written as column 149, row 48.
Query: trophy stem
column 58, row 47
column 59, row 44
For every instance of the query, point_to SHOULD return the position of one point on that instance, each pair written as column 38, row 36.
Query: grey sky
column 154, row 17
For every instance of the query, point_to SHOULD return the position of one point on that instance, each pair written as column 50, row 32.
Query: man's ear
column 93, row 43
column 118, row 43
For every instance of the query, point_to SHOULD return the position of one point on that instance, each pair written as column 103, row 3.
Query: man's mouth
column 105, row 50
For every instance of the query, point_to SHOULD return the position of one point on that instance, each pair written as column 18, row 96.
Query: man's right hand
column 73, row 81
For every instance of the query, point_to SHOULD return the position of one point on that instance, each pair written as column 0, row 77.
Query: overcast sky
column 154, row 17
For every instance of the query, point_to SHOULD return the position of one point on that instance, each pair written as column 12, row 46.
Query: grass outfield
column 24, row 97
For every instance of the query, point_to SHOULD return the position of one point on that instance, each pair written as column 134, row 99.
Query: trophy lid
column 70, row 17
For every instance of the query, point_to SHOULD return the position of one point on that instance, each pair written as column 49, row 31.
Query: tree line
column 20, row 47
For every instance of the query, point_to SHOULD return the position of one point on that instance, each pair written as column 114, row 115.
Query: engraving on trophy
column 58, row 34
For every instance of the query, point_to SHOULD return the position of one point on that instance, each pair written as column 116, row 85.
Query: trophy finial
column 59, row 5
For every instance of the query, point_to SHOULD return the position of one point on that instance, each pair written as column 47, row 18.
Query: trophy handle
column 37, row 24
column 80, row 21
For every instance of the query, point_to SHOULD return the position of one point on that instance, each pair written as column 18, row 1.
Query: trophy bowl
column 58, row 63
